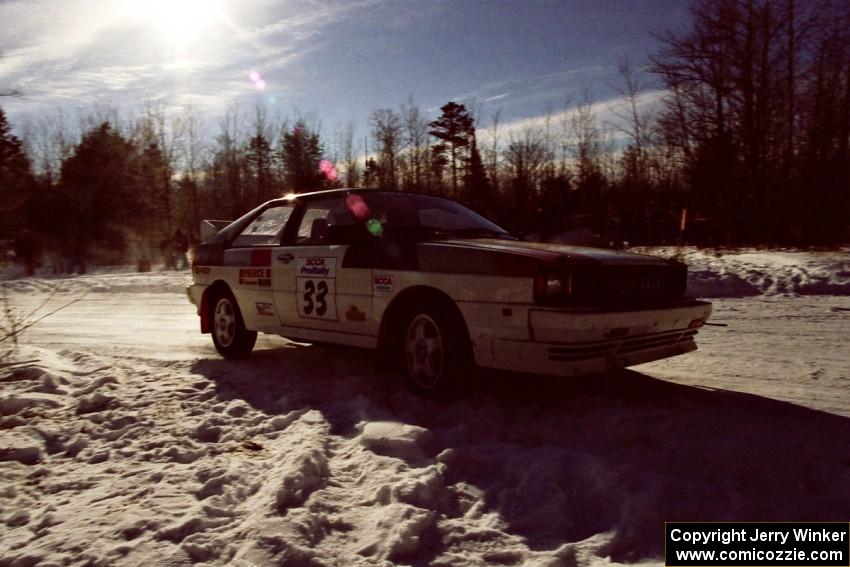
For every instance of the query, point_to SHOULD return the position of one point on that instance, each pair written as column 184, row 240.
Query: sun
column 177, row 21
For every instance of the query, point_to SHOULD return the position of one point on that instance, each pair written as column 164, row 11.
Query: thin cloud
column 535, row 90
column 497, row 97
column 607, row 114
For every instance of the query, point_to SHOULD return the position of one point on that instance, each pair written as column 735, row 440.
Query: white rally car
column 436, row 288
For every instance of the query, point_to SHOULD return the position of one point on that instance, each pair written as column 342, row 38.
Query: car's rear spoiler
column 210, row 228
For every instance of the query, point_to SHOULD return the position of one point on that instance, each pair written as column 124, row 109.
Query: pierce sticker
column 382, row 283
column 260, row 277
column 265, row 309
column 316, row 267
column 201, row 274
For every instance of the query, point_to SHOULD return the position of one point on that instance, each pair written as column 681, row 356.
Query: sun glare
column 178, row 21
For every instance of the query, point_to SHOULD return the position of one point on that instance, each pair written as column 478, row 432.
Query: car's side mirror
column 347, row 234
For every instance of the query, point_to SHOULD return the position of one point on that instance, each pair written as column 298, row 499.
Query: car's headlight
column 552, row 287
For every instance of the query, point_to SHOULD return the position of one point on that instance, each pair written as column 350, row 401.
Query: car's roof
column 325, row 192
column 346, row 190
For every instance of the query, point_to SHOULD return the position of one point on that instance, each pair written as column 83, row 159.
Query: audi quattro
column 435, row 288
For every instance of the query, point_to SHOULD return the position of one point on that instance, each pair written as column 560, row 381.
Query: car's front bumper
column 194, row 292
column 566, row 343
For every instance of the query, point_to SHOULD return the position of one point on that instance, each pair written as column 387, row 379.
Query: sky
column 337, row 60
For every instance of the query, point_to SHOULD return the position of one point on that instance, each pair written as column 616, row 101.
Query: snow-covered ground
column 125, row 439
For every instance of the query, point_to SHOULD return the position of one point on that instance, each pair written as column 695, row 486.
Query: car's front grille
column 574, row 352
column 631, row 286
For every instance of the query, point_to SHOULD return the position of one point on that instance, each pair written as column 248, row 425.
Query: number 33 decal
column 314, row 298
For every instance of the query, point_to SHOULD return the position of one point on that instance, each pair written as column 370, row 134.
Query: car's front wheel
column 435, row 351
column 232, row 340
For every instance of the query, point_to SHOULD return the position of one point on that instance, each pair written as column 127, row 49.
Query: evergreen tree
column 371, row 173
column 258, row 163
column 101, row 180
column 16, row 181
column 155, row 214
column 301, row 151
column 476, row 182
column 455, row 129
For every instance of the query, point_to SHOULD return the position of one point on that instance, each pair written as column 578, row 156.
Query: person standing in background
column 181, row 246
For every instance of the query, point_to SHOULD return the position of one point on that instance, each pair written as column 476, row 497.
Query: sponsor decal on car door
column 249, row 274
column 320, row 294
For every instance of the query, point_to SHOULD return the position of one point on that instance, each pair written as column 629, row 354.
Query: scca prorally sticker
column 261, row 277
column 382, row 283
column 316, row 267
column 265, row 309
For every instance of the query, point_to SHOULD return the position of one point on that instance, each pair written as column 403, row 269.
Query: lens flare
column 374, row 227
column 258, row 81
column 328, row 169
column 357, row 206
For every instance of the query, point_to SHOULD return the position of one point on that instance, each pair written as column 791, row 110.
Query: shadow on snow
column 563, row 459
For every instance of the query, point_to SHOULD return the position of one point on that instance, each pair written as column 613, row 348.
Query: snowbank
column 102, row 280
column 751, row 272
column 712, row 273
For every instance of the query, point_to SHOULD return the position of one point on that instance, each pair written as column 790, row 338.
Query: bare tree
column 755, row 102
column 387, row 134
column 50, row 143
column 228, row 160
column 525, row 158
column 348, row 153
column 587, row 139
column 633, row 122
column 493, row 151
column 416, row 140
column 15, row 321
column 191, row 148
column 565, row 137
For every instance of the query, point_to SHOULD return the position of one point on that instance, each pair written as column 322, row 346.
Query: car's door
column 248, row 261
column 317, row 296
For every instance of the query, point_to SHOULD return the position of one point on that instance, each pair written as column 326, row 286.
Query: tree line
column 748, row 143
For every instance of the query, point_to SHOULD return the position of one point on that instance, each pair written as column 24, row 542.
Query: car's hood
column 554, row 252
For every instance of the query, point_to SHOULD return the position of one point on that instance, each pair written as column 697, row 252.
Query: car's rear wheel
column 435, row 349
column 232, row 340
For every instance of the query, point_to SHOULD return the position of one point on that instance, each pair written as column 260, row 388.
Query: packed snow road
column 125, row 440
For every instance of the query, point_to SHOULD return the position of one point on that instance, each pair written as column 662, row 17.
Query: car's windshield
column 411, row 213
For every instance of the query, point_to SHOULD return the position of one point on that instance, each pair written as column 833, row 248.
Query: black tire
column 435, row 349
column 232, row 340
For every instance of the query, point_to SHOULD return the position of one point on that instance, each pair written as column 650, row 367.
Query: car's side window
column 440, row 219
column 266, row 229
column 318, row 216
